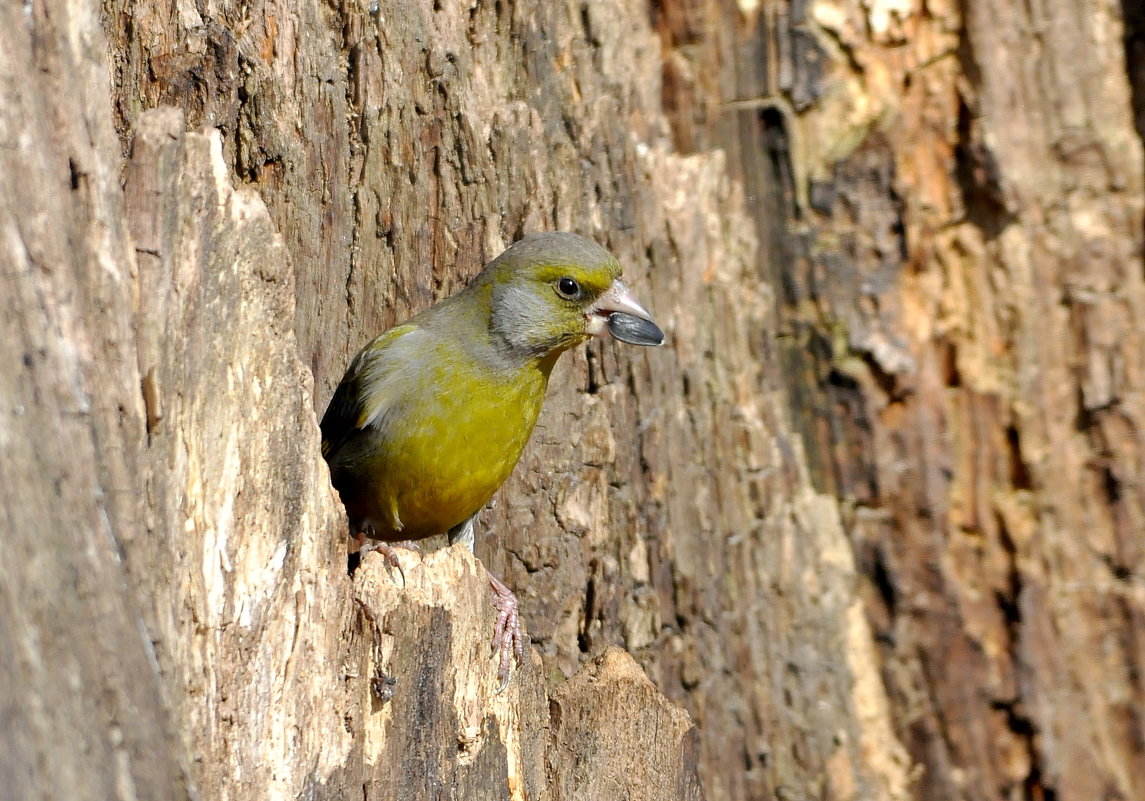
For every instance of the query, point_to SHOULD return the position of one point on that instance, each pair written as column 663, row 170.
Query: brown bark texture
column 949, row 198
column 869, row 526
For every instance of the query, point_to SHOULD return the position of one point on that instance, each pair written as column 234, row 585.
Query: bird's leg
column 463, row 533
column 508, row 639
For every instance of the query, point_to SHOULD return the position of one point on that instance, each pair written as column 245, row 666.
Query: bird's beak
column 617, row 313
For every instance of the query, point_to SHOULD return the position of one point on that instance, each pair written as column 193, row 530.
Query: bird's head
column 552, row 291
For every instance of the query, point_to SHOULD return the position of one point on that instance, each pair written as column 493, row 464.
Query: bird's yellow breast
column 454, row 436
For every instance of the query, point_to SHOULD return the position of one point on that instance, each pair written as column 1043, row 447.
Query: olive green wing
column 373, row 384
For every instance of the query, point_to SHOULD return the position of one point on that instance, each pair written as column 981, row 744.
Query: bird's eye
column 568, row 288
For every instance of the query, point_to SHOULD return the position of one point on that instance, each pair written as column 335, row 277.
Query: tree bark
column 872, row 517
column 951, row 196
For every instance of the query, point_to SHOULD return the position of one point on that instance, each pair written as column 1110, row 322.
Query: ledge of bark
column 428, row 715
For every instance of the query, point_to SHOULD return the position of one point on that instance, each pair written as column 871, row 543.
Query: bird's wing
column 371, row 385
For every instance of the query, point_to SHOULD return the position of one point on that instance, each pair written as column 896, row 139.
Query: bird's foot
column 388, row 550
column 508, row 638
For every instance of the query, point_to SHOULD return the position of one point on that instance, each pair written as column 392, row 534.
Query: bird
column 433, row 414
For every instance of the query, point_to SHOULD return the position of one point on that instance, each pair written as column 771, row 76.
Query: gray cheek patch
column 634, row 330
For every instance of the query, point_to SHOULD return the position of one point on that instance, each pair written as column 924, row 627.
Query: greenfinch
column 432, row 415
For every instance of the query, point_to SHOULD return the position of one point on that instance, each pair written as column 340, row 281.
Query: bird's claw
column 508, row 637
column 389, row 552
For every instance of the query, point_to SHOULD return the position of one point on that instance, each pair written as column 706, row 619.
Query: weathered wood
column 615, row 736
column 957, row 232
column 435, row 719
column 663, row 505
column 240, row 557
column 82, row 712
column 897, row 250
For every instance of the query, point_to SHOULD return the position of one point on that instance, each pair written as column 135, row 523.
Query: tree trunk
column 872, row 517
column 951, row 198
